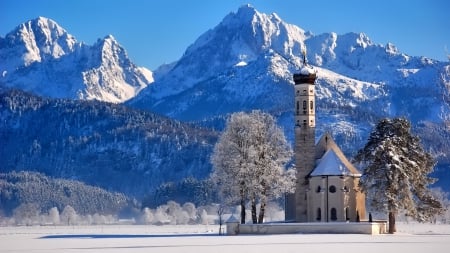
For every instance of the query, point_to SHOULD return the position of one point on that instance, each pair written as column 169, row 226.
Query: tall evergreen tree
column 249, row 162
column 396, row 172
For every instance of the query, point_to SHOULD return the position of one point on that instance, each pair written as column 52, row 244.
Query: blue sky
column 156, row 32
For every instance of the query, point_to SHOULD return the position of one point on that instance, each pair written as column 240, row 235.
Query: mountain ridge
column 48, row 61
column 246, row 62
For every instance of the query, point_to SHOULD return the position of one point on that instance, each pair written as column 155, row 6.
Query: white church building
column 327, row 183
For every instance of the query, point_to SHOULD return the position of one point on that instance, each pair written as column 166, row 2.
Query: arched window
column 332, row 189
column 333, row 214
column 347, row 217
column 311, row 105
column 319, row 214
column 304, row 105
column 319, row 189
column 298, row 108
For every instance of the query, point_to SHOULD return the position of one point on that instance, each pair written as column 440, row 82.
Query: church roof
column 331, row 161
column 331, row 165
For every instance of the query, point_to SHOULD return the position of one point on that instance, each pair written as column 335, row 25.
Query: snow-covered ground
column 423, row 238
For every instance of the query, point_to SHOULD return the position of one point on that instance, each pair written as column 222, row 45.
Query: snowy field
column 200, row 238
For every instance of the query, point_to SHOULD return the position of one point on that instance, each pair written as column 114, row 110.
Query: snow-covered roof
column 331, row 161
column 307, row 70
column 332, row 165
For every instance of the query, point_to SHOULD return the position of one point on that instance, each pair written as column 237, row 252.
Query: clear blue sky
column 156, row 32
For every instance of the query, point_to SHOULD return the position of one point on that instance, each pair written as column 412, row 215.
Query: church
column 327, row 183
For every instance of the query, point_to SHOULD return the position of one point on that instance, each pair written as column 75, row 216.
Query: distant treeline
column 43, row 193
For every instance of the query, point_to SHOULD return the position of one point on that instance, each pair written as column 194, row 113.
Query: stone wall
column 372, row 228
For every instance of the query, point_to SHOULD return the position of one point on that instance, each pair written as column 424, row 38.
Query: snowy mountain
column 41, row 57
column 247, row 61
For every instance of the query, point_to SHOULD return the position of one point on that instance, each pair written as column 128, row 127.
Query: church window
column 332, row 189
column 319, row 214
column 345, row 189
column 333, row 214
column 319, row 189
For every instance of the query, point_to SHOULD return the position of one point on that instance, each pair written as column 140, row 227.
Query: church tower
column 327, row 187
column 305, row 125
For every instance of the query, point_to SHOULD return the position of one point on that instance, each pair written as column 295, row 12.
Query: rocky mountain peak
column 41, row 57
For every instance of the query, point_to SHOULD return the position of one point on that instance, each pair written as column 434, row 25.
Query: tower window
column 319, row 214
column 332, row 189
column 333, row 214
column 298, row 107
column 304, row 105
column 319, row 189
column 311, row 105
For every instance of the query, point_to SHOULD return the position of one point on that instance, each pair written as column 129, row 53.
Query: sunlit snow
column 241, row 64
column 410, row 238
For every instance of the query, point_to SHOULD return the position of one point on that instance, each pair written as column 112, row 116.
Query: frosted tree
column 396, row 169
column 204, row 217
column 190, row 209
column 161, row 215
column 249, row 162
column 26, row 214
column 69, row 214
column 53, row 215
column 147, row 216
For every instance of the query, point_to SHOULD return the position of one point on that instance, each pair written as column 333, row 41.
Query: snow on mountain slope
column 41, row 57
column 247, row 62
column 35, row 41
column 240, row 39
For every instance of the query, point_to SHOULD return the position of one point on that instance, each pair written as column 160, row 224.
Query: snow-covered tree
column 444, row 198
column 396, row 169
column 190, row 209
column 160, row 216
column 147, row 216
column 204, row 217
column 249, row 162
column 69, row 214
column 27, row 214
column 53, row 215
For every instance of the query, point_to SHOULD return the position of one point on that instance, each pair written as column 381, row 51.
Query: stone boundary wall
column 371, row 228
